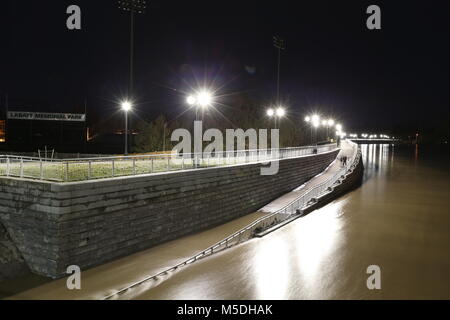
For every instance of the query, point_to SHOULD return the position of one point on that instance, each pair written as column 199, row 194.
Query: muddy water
column 399, row 219
column 101, row 281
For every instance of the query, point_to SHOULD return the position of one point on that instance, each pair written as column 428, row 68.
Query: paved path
column 346, row 149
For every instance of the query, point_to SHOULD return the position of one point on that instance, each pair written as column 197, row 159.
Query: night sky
column 389, row 78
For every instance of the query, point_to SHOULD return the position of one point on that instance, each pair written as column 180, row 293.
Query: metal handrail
column 78, row 169
column 226, row 243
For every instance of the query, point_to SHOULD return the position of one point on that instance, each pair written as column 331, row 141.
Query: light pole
column 280, row 113
column 280, row 45
column 308, row 120
column 338, row 133
column 202, row 99
column 315, row 121
column 270, row 113
column 276, row 113
column 126, row 106
column 330, row 123
column 138, row 7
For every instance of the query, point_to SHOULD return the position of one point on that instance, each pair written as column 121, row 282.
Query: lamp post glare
column 307, row 118
column 276, row 113
column 126, row 106
column 280, row 112
column 191, row 100
column 202, row 99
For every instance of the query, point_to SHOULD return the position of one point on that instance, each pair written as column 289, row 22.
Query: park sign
column 20, row 115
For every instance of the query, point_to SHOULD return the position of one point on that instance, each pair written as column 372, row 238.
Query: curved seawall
column 55, row 225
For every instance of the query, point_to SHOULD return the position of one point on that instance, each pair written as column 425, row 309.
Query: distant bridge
column 374, row 140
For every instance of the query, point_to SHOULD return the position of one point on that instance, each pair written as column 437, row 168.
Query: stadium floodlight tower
column 133, row 7
column 280, row 45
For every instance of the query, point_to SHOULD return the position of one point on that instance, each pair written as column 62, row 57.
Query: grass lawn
column 78, row 171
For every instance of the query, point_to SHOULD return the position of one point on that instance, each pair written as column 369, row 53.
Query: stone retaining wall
column 90, row 222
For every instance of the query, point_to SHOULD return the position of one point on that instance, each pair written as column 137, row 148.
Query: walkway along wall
column 87, row 223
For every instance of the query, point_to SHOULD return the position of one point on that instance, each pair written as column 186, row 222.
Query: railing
column 263, row 223
column 65, row 170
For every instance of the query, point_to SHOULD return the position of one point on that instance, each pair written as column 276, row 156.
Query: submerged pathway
column 347, row 149
column 106, row 279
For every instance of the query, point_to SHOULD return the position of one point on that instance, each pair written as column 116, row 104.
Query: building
column 28, row 131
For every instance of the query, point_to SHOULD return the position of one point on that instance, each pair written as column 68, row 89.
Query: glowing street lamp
column 315, row 118
column 202, row 99
column 276, row 113
column 126, row 106
column 191, row 100
column 280, row 112
column 314, row 121
column 328, row 123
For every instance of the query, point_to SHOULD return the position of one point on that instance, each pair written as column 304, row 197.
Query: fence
column 78, row 169
column 263, row 223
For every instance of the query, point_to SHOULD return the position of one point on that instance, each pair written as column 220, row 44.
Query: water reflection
column 389, row 221
column 270, row 260
column 398, row 219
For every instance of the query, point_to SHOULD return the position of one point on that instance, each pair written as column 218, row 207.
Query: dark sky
column 394, row 77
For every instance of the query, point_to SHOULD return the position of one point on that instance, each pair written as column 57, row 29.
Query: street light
column 191, row 100
column 328, row 123
column 276, row 113
column 280, row 112
column 202, row 99
column 126, row 106
column 314, row 121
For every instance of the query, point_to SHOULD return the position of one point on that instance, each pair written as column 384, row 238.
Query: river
column 398, row 219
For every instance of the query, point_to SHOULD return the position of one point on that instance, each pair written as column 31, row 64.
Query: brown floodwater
column 398, row 219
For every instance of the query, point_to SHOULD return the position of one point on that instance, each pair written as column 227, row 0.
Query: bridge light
column 270, row 112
